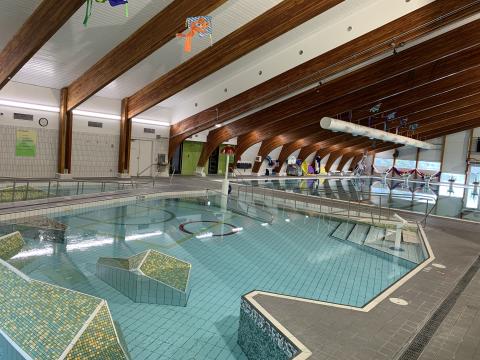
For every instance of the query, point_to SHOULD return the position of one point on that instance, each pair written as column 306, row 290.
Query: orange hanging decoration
column 200, row 25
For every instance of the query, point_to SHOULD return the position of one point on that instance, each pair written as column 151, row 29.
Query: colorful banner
column 26, row 143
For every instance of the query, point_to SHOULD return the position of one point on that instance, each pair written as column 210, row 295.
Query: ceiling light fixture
column 150, row 122
column 22, row 105
column 351, row 128
column 29, row 106
column 96, row 115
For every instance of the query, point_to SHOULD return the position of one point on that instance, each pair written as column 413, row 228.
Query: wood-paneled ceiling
column 138, row 59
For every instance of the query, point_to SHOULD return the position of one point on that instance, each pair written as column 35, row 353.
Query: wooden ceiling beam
column 433, row 60
column 283, row 17
column 402, row 30
column 426, row 106
column 431, row 114
column 45, row 21
column 159, row 30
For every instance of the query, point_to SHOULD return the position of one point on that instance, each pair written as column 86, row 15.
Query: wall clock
column 43, row 122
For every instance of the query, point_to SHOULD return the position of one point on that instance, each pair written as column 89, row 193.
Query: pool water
column 456, row 202
column 295, row 255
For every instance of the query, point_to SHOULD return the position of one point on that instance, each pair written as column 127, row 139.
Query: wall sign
column 26, row 143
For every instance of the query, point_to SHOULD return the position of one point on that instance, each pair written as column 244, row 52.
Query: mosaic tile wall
column 149, row 277
column 43, row 320
column 259, row 339
column 94, row 155
column 10, row 245
column 44, row 164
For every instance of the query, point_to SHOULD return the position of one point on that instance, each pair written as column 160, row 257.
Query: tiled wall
column 95, row 155
column 44, row 164
column 259, row 339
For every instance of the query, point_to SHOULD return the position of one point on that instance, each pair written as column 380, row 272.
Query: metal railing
column 15, row 189
column 379, row 206
column 236, row 205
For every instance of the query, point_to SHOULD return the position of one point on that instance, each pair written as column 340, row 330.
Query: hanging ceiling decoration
column 359, row 130
column 89, row 7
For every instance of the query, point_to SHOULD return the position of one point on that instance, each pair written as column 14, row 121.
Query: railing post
column 78, row 186
column 380, row 210
column 57, row 189
column 13, row 190
column 49, row 185
column 26, row 191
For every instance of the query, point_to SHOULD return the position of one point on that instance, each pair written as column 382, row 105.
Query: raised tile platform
column 149, row 277
column 42, row 321
column 11, row 245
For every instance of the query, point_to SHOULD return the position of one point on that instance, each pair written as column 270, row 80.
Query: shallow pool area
column 230, row 255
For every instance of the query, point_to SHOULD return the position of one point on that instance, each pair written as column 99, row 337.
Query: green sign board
column 26, row 144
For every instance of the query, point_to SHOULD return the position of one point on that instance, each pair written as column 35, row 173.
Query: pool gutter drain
column 423, row 337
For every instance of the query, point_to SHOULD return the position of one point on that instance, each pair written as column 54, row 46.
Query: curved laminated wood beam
column 355, row 161
column 433, row 60
column 432, row 113
column 435, row 125
column 45, row 21
column 428, row 105
column 408, row 27
column 283, row 17
column 159, row 30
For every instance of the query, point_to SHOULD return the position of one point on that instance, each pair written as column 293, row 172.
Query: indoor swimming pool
column 436, row 199
column 230, row 255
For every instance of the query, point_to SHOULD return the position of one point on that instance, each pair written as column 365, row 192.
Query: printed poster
column 26, row 143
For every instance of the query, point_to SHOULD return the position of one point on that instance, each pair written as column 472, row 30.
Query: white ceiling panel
column 13, row 13
column 75, row 48
column 226, row 19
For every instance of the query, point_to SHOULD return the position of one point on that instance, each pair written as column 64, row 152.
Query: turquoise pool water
column 295, row 255
column 440, row 199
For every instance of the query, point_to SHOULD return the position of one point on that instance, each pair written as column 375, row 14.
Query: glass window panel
column 429, row 165
column 405, row 164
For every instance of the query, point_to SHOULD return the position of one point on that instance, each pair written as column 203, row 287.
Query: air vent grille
column 18, row 116
column 95, row 124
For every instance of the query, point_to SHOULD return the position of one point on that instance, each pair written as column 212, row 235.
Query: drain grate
column 420, row 341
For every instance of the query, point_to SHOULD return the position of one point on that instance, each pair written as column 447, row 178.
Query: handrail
column 427, row 214
column 267, row 218
column 53, row 188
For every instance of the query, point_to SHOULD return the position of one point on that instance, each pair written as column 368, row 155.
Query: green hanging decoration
column 89, row 8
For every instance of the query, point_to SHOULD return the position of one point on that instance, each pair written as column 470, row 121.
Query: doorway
column 213, row 162
column 141, row 158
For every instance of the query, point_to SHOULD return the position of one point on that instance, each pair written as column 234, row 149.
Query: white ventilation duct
column 359, row 130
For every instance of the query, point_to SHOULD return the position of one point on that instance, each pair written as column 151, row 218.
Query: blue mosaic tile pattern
column 296, row 258
column 259, row 339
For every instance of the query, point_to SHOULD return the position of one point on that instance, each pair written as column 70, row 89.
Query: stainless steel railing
column 15, row 189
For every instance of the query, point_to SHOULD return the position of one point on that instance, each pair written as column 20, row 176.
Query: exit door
column 141, row 158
